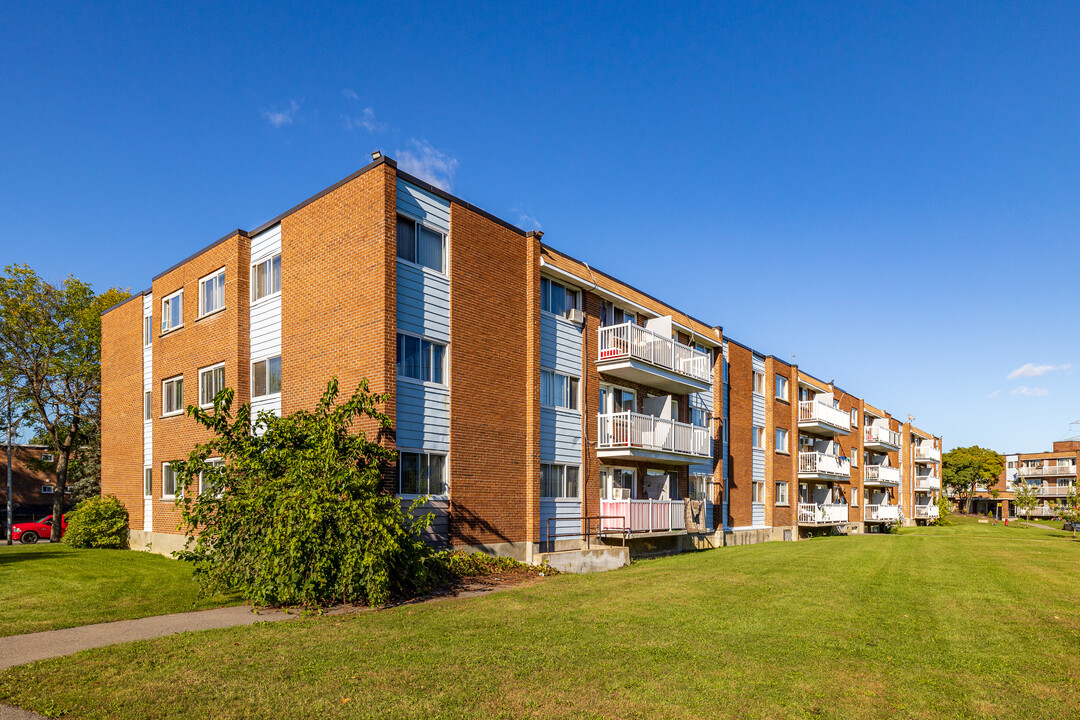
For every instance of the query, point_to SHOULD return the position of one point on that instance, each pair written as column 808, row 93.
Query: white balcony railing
column 1055, row 490
column 822, row 513
column 925, row 452
column 927, row 483
column 643, row 515
column 645, row 432
column 814, row 411
column 817, row 463
column 629, row 340
column 881, row 513
column 875, row 434
column 881, row 474
column 1060, row 470
column 926, row 511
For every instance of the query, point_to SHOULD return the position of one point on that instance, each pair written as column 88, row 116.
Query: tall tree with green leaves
column 963, row 468
column 50, row 353
column 1027, row 497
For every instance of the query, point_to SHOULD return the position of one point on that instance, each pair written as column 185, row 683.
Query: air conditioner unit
column 620, row 493
column 576, row 316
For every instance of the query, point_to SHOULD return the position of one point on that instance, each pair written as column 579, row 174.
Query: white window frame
column 165, row 394
column 854, row 457
column 854, row 418
column 781, row 488
column 571, row 396
column 562, row 469
column 759, row 383
column 166, row 468
column 757, row 492
column 781, row 441
column 148, row 405
column 444, row 366
column 607, row 476
column 219, row 273
column 48, row 490
column 213, row 462
column 781, row 387
column 425, row 456
column 704, row 414
column 566, row 288
column 204, row 371
column 266, row 361
column 167, row 300
column 47, row 457
column 274, row 292
column 148, row 330
column 757, row 437
column 419, row 223
column 148, row 481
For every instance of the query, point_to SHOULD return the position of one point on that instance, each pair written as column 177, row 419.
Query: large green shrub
column 98, row 522
column 296, row 513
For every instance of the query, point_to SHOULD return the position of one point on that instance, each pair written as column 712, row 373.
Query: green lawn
column 49, row 586
column 964, row 621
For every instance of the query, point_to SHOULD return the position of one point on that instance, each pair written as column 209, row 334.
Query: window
column 421, row 474
column 558, row 390
column 211, row 382
column 759, row 383
column 781, row 440
column 172, row 311
column 758, row 492
column 212, row 293
column 46, row 457
column 781, row 493
column 148, row 410
column 266, row 377
column 209, row 480
column 759, row 438
column 558, row 481
column 699, row 416
column 613, row 315
column 616, row 483
column 854, row 418
column 147, row 330
column 854, row 457
column 421, row 359
column 698, row 487
column 172, row 396
column 168, row 482
column 266, row 278
column 556, row 298
column 419, row 244
column 148, row 482
column 781, row 388
column 47, row 489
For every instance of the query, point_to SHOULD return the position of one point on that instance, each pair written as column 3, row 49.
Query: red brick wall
column 740, row 442
column 28, row 474
column 121, row 406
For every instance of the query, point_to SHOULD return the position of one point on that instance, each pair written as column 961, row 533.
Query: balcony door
column 615, row 399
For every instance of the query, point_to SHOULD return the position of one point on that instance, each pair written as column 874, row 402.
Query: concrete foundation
column 599, row 558
column 160, row 543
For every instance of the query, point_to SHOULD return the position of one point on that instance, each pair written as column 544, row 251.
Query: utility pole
column 10, row 516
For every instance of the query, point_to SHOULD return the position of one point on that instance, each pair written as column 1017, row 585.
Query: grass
column 967, row 621
column 50, row 585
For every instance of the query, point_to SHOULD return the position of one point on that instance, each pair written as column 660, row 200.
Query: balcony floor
column 660, row 456
column 643, row 373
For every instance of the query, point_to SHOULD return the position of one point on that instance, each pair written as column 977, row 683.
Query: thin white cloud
column 526, row 221
column 1030, row 391
column 429, row 164
column 350, row 94
column 365, row 120
column 994, row 394
column 1033, row 370
column 282, row 118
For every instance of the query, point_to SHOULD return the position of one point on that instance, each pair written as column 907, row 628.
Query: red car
column 31, row 532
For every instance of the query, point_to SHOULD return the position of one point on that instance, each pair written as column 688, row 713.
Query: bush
column 98, row 522
column 296, row 514
column 458, row 565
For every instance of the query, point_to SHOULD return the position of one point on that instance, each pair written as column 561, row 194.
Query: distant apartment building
column 1052, row 475
column 33, row 481
column 536, row 400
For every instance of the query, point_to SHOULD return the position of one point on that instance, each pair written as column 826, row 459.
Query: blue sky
column 888, row 193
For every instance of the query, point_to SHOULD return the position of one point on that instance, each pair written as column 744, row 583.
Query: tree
column 962, row 468
column 1070, row 510
column 50, row 350
column 294, row 512
column 1027, row 497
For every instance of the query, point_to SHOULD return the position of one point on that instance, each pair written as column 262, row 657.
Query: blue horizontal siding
column 422, row 205
column 423, row 417
column 562, row 510
column 560, row 345
column 560, row 436
column 423, row 302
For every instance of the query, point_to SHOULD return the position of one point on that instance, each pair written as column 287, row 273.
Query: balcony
column 927, row 483
column 1046, row 471
column 632, row 436
column 881, row 475
column 821, row 466
column 927, row 454
column 1055, row 491
column 881, row 439
column 822, row 514
column 821, row 419
column 631, row 352
column 881, row 513
column 643, row 516
column 926, row 512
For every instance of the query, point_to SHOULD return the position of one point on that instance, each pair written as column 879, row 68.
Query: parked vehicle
column 1071, row 527
column 31, row 532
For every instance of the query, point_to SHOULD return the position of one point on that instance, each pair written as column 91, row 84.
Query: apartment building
column 1052, row 474
column 538, row 403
